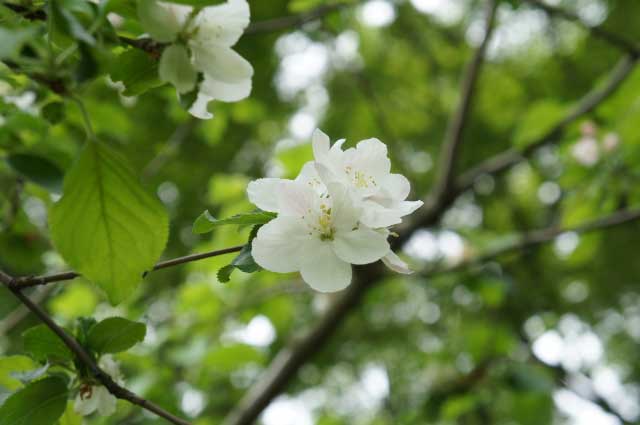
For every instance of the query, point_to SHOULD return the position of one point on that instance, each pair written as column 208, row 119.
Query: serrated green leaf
column 39, row 403
column 243, row 261
column 42, row 344
column 106, row 226
column 206, row 222
column 115, row 334
column 137, row 71
column 38, row 170
column 224, row 274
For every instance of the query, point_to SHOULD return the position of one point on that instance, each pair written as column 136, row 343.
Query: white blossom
column 334, row 214
column 315, row 233
column 200, row 42
column 586, row 151
column 96, row 398
column 366, row 170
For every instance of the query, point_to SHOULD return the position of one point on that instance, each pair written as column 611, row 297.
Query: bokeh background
column 544, row 333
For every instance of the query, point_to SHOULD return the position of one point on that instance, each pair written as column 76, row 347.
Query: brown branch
column 84, row 357
column 598, row 31
column 29, row 281
column 455, row 129
column 538, row 237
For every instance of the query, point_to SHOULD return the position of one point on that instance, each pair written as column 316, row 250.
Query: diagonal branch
column 455, row 129
column 589, row 102
column 84, row 357
column 538, row 237
column 597, row 31
column 29, row 281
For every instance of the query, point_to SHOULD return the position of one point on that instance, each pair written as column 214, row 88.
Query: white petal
column 395, row 263
column 277, row 247
column 199, row 108
column 376, row 216
column 397, row 186
column 371, row 156
column 222, row 24
column 87, row 405
column 345, row 207
column 323, row 270
column 106, row 402
column 320, row 143
column 296, row 199
column 226, row 92
column 361, row 246
column 220, row 63
column 263, row 193
column 175, row 67
column 162, row 21
column 407, row 207
column 309, row 176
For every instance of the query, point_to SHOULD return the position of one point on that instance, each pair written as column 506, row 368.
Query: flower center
column 321, row 224
column 360, row 179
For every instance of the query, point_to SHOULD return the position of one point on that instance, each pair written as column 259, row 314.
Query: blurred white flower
column 610, row 142
column 586, row 151
column 96, row 398
column 201, row 42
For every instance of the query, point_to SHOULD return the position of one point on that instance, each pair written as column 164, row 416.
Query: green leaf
column 115, row 334
column 38, row 170
column 137, row 71
column 198, row 3
column 206, row 222
column 39, row 403
column 53, row 112
column 10, row 366
column 224, row 274
column 43, row 345
column 538, row 121
column 243, row 261
column 106, row 226
column 69, row 24
column 12, row 40
column 70, row 417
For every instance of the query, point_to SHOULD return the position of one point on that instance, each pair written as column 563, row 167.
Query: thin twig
column 15, row 317
column 454, row 135
column 29, row 281
column 84, row 357
column 538, row 237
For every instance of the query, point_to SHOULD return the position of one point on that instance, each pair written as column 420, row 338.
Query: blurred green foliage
column 453, row 349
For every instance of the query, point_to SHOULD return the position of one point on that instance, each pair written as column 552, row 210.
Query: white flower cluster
column 200, row 41
column 96, row 398
column 334, row 214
